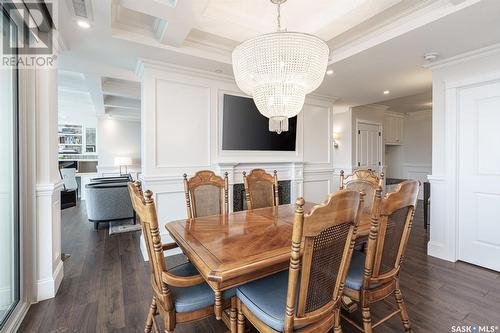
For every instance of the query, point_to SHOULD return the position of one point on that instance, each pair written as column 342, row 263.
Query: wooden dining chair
column 206, row 194
column 365, row 180
column 375, row 276
column 180, row 294
column 306, row 297
column 261, row 189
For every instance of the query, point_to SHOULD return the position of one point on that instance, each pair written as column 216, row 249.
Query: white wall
column 118, row 138
column 449, row 77
column 181, row 118
column 412, row 159
column 78, row 119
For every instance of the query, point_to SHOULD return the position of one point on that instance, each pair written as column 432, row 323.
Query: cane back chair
column 375, row 276
column 363, row 180
column 261, row 189
column 306, row 298
column 206, row 194
column 180, row 294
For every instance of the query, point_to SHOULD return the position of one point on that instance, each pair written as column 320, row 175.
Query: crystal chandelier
column 278, row 70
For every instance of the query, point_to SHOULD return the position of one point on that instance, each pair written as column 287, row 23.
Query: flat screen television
column 244, row 128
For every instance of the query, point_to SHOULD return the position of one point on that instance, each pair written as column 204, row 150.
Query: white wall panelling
column 48, row 266
column 181, row 119
column 475, row 69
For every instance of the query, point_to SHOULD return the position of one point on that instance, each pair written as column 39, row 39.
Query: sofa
column 108, row 200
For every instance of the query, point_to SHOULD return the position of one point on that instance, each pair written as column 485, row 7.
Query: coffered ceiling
column 375, row 45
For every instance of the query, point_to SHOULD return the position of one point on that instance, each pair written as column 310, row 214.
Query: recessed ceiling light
column 218, row 71
column 329, row 72
column 83, row 24
column 386, row 92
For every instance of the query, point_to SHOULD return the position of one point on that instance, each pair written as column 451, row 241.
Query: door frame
column 445, row 183
column 380, row 142
column 459, row 155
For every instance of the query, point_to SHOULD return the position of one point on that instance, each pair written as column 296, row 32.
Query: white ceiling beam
column 120, row 102
column 121, row 89
column 173, row 32
column 150, row 7
column 416, row 19
column 94, row 87
column 174, row 23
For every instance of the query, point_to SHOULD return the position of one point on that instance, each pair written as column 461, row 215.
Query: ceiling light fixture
column 431, row 56
column 278, row 70
column 329, row 72
column 83, row 24
column 386, row 92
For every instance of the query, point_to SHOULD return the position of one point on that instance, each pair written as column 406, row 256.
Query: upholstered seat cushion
column 187, row 299
column 355, row 274
column 266, row 298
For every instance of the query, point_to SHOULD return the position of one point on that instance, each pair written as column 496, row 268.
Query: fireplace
column 239, row 202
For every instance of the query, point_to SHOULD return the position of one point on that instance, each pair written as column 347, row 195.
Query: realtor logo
column 27, row 30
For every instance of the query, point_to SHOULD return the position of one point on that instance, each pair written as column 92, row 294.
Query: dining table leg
column 218, row 305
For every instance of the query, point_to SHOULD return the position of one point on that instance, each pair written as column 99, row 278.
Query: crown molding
column 144, row 63
column 395, row 113
column 323, row 97
column 376, row 107
column 419, row 113
column 101, row 116
column 463, row 57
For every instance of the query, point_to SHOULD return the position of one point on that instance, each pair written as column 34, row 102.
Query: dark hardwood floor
column 106, row 287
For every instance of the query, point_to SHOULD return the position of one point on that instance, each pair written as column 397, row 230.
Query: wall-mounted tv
column 244, row 128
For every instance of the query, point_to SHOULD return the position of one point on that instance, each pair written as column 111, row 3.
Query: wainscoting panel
column 182, row 125
column 317, row 134
column 316, row 190
column 420, row 173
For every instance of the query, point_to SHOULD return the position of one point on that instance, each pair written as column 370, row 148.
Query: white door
column 479, row 175
column 369, row 142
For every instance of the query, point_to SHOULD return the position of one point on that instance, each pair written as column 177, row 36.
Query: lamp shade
column 119, row 161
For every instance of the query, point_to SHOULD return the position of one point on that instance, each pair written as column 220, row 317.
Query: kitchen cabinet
column 393, row 128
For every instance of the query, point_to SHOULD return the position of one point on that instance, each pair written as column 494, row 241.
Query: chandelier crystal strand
column 278, row 70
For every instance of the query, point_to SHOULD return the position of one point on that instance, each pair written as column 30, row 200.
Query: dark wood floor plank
column 106, row 287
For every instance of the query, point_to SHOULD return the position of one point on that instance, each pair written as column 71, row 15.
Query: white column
column 49, row 267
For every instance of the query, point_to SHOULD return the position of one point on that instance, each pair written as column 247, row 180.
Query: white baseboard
column 47, row 288
column 166, row 239
column 438, row 250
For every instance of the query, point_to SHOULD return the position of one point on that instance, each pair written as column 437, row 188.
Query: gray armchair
column 108, row 202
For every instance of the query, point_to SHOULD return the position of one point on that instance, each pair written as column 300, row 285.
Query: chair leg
column 405, row 318
column 241, row 318
column 151, row 316
column 233, row 315
column 169, row 321
column 367, row 319
column 337, row 328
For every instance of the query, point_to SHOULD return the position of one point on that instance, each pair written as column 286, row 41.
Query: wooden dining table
column 233, row 249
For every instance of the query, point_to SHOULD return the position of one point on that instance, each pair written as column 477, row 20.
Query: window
column 9, row 177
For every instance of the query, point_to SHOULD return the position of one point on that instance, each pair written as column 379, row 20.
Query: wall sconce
column 336, row 137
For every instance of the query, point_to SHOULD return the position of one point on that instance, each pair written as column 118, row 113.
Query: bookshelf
column 77, row 142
